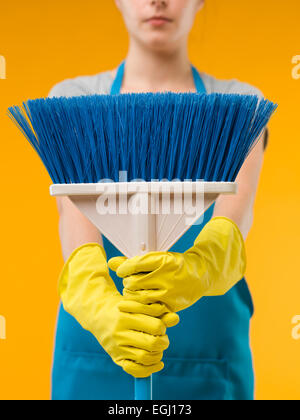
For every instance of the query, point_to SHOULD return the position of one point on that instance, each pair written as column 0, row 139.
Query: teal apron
column 209, row 357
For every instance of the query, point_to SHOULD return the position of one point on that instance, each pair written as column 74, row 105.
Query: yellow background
column 47, row 41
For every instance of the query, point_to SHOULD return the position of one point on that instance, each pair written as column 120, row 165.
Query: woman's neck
column 151, row 71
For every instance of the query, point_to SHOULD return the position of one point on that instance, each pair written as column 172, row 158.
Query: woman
column 209, row 356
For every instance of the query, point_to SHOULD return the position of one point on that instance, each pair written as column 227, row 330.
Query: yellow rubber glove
column 215, row 263
column 133, row 334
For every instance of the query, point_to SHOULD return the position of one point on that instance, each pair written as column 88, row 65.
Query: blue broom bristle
column 162, row 136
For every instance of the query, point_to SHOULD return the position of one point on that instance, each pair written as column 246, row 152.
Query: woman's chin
column 158, row 42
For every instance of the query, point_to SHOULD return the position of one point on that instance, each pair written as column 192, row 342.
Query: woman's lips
column 158, row 21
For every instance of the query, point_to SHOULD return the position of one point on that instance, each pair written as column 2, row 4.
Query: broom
column 100, row 147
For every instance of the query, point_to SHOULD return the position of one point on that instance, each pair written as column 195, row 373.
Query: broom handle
column 143, row 389
column 146, row 236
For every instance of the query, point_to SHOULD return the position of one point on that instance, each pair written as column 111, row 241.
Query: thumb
column 115, row 263
column 170, row 319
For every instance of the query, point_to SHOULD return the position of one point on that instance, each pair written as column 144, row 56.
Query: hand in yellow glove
column 215, row 263
column 133, row 334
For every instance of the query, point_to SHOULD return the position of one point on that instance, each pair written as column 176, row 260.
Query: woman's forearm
column 74, row 228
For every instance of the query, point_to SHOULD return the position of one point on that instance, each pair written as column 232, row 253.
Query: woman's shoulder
column 232, row 86
column 83, row 85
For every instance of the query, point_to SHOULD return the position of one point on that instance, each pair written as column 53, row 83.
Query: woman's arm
column 239, row 208
column 74, row 228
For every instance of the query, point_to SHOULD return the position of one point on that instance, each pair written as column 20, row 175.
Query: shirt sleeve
column 99, row 84
column 67, row 88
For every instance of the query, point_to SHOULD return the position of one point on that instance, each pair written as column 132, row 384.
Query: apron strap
column 198, row 81
column 117, row 84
